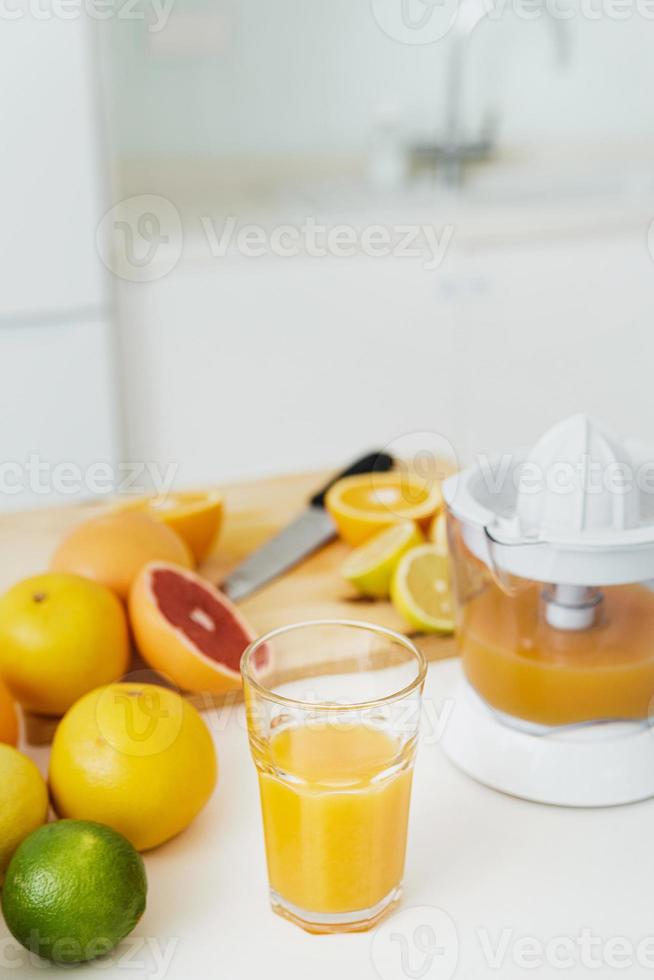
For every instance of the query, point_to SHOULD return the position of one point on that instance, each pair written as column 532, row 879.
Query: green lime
column 73, row 890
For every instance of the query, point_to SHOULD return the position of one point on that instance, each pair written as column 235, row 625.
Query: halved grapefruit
column 188, row 630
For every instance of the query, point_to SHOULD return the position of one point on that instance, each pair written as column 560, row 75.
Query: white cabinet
column 242, row 367
column 252, row 366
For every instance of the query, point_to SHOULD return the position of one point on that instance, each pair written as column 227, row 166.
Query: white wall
column 308, row 76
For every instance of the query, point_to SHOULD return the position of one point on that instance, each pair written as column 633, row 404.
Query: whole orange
column 60, row 636
column 113, row 548
column 8, row 717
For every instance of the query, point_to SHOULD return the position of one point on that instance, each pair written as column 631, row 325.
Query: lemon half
column 370, row 567
column 420, row 590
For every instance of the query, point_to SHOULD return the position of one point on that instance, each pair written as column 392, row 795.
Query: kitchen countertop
column 494, row 886
column 255, row 510
column 493, row 879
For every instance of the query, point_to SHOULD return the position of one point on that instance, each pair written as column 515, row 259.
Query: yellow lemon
column 60, row 636
column 420, row 590
column 438, row 532
column 195, row 516
column 370, row 566
column 23, row 801
column 363, row 505
column 137, row 757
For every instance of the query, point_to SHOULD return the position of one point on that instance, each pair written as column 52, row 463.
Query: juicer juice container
column 552, row 554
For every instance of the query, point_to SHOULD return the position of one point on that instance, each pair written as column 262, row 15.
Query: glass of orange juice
column 333, row 727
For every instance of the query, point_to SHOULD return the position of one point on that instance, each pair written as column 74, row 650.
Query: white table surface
column 485, row 873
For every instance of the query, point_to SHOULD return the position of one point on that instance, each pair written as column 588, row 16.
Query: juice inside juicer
column 518, row 657
column 551, row 565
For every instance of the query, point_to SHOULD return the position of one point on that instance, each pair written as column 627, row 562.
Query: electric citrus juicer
column 551, row 552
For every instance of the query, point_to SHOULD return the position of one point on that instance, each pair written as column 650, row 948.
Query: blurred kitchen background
column 206, row 210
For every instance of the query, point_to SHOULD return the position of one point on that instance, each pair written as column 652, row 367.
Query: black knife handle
column 372, row 463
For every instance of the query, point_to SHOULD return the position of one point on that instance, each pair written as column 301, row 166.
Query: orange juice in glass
column 333, row 731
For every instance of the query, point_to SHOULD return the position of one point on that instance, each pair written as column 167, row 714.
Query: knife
column 308, row 532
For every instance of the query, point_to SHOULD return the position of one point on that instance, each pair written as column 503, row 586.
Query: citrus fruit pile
column 386, row 516
column 122, row 750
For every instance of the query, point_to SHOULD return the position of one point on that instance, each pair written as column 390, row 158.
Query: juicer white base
column 602, row 764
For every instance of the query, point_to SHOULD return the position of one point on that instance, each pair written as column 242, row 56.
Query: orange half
column 364, row 505
column 8, row 717
column 195, row 515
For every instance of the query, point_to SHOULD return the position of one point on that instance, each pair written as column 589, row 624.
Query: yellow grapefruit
column 137, row 757
column 113, row 548
column 60, row 636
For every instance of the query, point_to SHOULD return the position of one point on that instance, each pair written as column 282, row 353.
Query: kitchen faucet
column 455, row 148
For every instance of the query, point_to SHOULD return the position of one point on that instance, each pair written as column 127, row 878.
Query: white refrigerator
column 58, row 388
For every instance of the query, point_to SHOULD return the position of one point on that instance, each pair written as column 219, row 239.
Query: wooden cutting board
column 254, row 511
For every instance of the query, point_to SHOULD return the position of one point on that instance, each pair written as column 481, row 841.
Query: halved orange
column 195, row 515
column 188, row 630
column 366, row 504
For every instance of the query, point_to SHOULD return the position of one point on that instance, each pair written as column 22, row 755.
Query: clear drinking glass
column 333, row 727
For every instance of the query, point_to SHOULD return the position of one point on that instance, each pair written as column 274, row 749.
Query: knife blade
column 311, row 530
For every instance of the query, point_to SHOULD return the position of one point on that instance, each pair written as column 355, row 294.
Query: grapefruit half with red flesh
column 188, row 630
